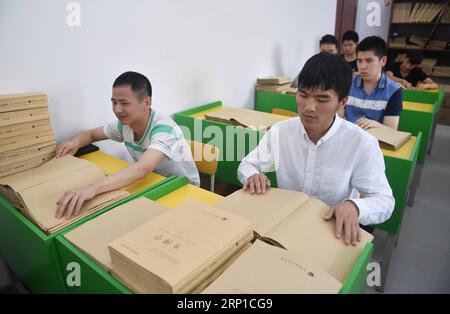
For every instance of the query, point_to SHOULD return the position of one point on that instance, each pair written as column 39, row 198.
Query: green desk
column 95, row 279
column 195, row 127
column 31, row 253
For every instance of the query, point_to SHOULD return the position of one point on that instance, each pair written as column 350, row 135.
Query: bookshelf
column 422, row 25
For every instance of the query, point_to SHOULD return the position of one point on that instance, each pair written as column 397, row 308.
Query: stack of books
column 275, row 84
column 427, row 65
column 397, row 42
column 442, row 71
column 418, row 12
column 27, row 139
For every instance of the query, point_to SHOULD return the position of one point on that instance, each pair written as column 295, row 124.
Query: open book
column 390, row 138
column 245, row 118
column 293, row 220
column 264, row 268
column 93, row 236
column 179, row 250
column 35, row 192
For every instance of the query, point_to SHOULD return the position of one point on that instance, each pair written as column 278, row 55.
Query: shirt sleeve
column 113, row 131
column 420, row 75
column 369, row 178
column 260, row 160
column 165, row 139
column 395, row 104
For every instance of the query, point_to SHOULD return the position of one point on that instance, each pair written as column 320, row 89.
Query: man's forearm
column 120, row 179
column 84, row 138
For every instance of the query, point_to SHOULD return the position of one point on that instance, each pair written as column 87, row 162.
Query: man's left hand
column 347, row 224
column 70, row 204
column 366, row 124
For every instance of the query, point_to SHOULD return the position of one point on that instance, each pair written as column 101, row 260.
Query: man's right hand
column 67, row 147
column 257, row 183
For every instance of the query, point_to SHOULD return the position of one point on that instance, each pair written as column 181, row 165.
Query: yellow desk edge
column 404, row 152
column 189, row 191
column 111, row 164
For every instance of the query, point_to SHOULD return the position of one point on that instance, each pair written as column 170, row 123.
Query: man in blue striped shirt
column 374, row 99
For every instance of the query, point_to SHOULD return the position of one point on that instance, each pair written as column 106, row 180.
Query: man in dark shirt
column 350, row 40
column 408, row 74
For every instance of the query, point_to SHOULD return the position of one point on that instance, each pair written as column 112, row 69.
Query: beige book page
column 15, row 102
column 265, row 269
column 306, row 233
column 181, row 243
column 32, row 155
column 263, row 211
column 11, row 168
column 94, row 236
column 41, row 199
column 54, row 168
column 245, row 117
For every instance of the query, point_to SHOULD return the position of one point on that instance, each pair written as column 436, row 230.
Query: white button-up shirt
column 345, row 160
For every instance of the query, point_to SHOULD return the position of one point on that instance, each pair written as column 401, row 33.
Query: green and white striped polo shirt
column 163, row 134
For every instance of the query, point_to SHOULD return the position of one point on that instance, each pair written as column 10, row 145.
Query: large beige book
column 390, row 138
column 296, row 224
column 267, row 269
column 36, row 191
column 273, row 80
column 94, row 236
column 13, row 102
column 21, row 141
column 24, row 153
column 22, row 116
column 421, row 12
column 180, row 249
column 25, row 128
column 245, row 118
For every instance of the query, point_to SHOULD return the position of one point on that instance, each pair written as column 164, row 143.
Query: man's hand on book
column 366, row 124
column 257, row 183
column 67, row 147
column 347, row 225
column 70, row 204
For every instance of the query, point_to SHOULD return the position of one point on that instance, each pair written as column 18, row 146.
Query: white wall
column 363, row 28
column 193, row 51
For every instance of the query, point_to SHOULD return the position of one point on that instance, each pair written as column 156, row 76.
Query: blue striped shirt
column 385, row 100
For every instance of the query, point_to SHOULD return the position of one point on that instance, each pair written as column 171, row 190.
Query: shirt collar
column 381, row 83
column 327, row 136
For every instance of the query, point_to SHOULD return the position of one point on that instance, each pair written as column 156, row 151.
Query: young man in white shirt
column 322, row 155
column 155, row 142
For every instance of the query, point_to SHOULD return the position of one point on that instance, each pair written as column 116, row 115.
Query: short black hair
column 326, row 71
column 139, row 83
column 350, row 35
column 328, row 39
column 373, row 43
column 415, row 56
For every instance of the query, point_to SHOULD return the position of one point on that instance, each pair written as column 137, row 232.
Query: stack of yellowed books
column 397, row 42
column 277, row 84
column 243, row 244
column 35, row 192
column 427, row 65
column 27, row 139
column 442, row 71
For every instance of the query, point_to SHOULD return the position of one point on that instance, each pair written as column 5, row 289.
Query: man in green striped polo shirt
column 154, row 141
